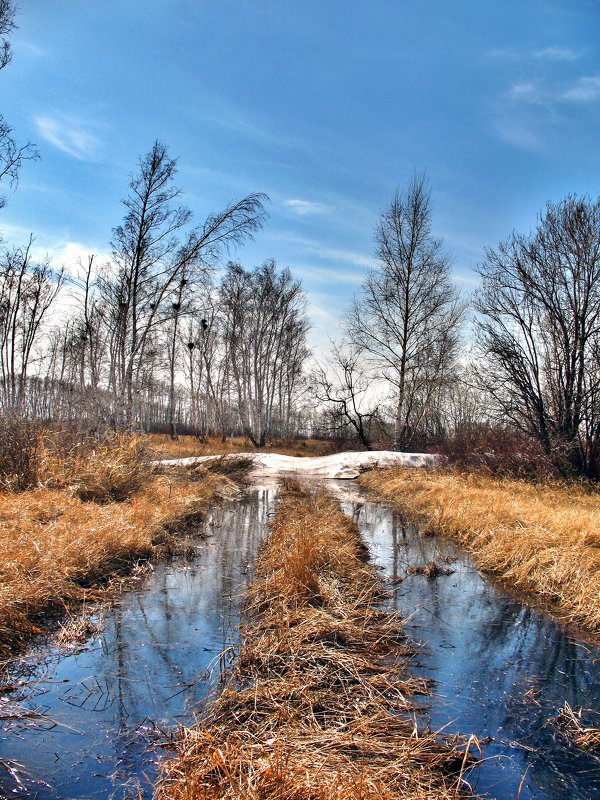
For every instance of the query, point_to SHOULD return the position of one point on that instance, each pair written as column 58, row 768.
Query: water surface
column 98, row 717
column 100, row 714
column 503, row 669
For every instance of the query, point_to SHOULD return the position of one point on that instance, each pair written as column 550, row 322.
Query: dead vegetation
column 93, row 513
column 430, row 570
column 319, row 703
column 162, row 446
column 569, row 722
column 539, row 538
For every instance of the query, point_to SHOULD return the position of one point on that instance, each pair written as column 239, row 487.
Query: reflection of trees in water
column 502, row 649
column 146, row 642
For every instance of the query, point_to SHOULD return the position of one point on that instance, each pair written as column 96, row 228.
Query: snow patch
column 340, row 466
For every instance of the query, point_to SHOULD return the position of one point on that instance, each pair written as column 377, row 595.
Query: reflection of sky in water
column 141, row 675
column 486, row 652
column 112, row 701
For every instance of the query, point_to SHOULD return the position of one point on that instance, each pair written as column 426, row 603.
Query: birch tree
column 153, row 249
column 406, row 319
column 265, row 327
column 27, row 291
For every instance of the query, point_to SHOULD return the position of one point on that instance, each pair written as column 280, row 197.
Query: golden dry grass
column 58, row 547
column 570, row 723
column 318, row 706
column 540, row 538
column 162, row 446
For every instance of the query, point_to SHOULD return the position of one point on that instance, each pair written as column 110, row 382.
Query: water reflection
column 101, row 709
column 502, row 668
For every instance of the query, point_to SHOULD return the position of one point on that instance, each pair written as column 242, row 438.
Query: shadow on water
column 96, row 716
column 502, row 669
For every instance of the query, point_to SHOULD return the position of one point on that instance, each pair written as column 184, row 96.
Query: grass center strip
column 320, row 703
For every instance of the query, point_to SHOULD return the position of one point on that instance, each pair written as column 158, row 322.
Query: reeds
column 93, row 518
column 318, row 706
column 539, row 538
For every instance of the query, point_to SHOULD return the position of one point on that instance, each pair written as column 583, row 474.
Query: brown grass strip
column 540, row 538
column 319, row 705
column 57, row 548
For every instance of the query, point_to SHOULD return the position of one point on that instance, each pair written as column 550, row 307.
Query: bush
column 112, row 468
column 19, row 453
column 499, row 451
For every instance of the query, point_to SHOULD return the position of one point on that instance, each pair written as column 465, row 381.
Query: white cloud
column 61, row 251
column 69, row 135
column 558, row 53
column 304, row 207
column 584, row 90
column 551, row 53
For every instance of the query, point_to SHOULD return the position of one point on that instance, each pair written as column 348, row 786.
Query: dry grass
column 318, row 706
column 569, row 722
column 543, row 539
column 162, row 446
column 58, row 547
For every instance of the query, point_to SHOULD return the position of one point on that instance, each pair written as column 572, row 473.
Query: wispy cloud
column 327, row 253
column 533, row 110
column 304, row 207
column 326, row 275
column 584, row 90
column 558, row 53
column 552, row 53
column 69, row 135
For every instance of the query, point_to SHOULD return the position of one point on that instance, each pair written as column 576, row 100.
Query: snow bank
column 338, row 466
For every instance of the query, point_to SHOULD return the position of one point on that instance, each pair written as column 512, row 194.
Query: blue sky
column 326, row 106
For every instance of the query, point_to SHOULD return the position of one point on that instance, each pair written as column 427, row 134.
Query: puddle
column 502, row 668
column 98, row 716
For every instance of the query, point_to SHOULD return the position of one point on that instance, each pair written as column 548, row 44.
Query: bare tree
column 343, row 386
column 539, row 332
column 406, row 319
column 27, row 291
column 12, row 155
column 7, row 24
column 151, row 254
column 265, row 328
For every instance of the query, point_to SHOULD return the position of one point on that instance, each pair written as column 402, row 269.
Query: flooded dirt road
column 502, row 669
column 97, row 718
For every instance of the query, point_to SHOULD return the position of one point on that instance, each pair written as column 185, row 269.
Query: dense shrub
column 19, row 453
column 499, row 451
